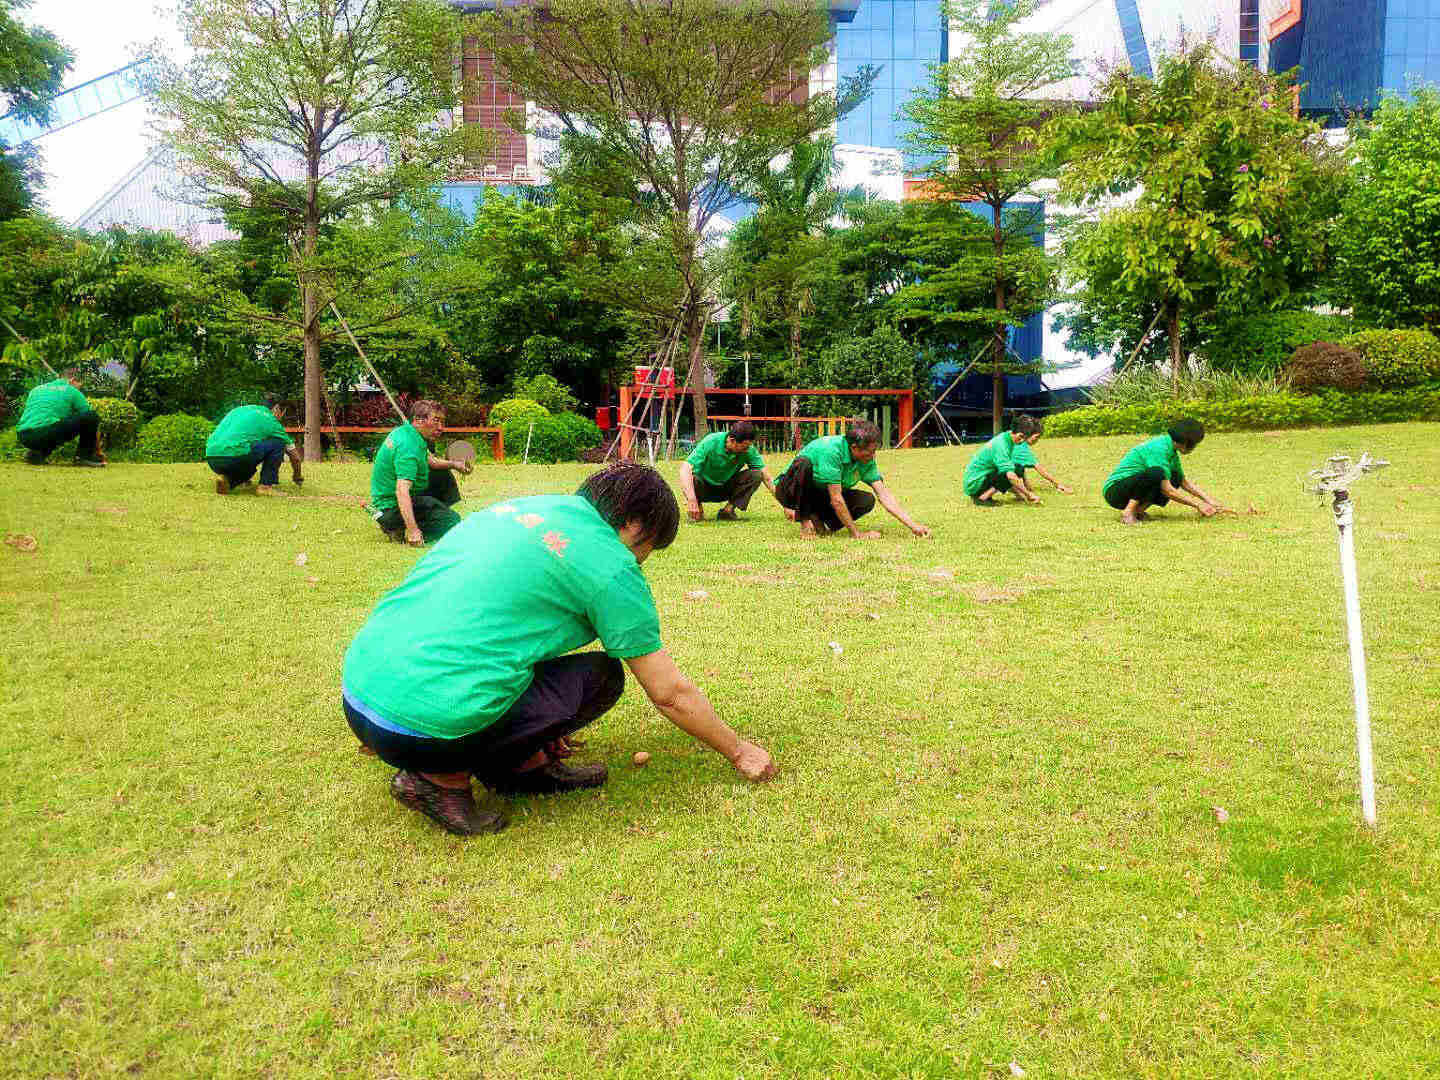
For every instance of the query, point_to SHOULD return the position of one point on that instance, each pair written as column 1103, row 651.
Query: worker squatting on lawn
column 248, row 437
column 462, row 670
column 1150, row 475
column 56, row 412
column 819, row 484
column 726, row 468
column 1000, row 465
column 412, row 490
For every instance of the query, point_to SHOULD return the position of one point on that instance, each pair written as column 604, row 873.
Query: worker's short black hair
column 72, row 374
column 1187, row 433
column 742, row 431
column 1029, row 425
column 626, row 492
column 863, row 433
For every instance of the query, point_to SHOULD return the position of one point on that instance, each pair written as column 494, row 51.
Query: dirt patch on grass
column 1008, row 593
column 344, row 500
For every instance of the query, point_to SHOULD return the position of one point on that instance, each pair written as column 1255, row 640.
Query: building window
column 1250, row 32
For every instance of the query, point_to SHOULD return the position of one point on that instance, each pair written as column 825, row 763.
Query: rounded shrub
column 173, row 437
column 1325, row 365
column 1396, row 359
column 551, row 439
column 516, row 409
column 119, row 422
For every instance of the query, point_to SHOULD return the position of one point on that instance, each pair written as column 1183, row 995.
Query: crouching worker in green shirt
column 1150, row 475
column 462, row 671
column 248, row 437
column 412, row 490
column 724, row 467
column 56, row 412
column 1001, row 463
column 818, row 485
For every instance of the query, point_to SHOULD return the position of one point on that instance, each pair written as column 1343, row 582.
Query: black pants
column 796, row 490
column 736, row 491
column 238, row 469
column 45, row 440
column 568, row 693
column 431, row 505
column 1144, row 486
column 999, row 481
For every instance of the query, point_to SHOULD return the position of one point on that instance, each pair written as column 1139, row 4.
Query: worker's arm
column 682, row 703
column 687, row 488
column 892, row 505
column 413, row 535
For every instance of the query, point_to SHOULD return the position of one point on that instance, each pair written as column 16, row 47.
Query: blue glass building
column 900, row 38
column 1351, row 51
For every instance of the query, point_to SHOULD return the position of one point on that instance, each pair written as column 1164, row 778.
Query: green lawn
column 993, row 838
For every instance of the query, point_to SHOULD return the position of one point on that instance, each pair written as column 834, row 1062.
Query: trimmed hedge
column 1324, row 408
column 119, row 422
column 1396, row 359
column 173, row 437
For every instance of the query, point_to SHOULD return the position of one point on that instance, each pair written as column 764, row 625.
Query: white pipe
column 1345, row 522
column 528, row 433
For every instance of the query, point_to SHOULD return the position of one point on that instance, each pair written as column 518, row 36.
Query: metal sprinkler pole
column 1345, row 523
column 1335, row 480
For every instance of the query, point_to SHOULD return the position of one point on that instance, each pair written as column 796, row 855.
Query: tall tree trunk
column 795, row 367
column 695, row 329
column 997, row 408
column 1172, row 326
column 310, row 299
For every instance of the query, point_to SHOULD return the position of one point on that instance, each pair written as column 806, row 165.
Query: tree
column 672, row 105
column 981, row 122
column 1388, row 241
column 533, row 312
column 1233, row 195
column 315, row 110
column 33, row 64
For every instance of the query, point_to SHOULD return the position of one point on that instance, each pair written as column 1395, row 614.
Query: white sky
column 84, row 161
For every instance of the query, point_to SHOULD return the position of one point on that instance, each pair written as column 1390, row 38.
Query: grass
column 992, row 840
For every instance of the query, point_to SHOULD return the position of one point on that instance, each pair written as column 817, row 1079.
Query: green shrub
column 515, row 409
column 119, row 422
column 1148, row 385
column 1251, row 414
column 1396, row 359
column 1325, row 365
column 552, row 438
column 547, row 391
column 173, row 437
column 1262, row 343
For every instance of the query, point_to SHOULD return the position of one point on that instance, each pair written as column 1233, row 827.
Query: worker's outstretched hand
column 753, row 762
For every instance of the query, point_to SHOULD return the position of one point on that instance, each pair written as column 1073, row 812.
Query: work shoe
column 89, row 463
column 549, row 779
column 222, row 486
column 453, row 808
column 726, row 514
column 34, row 457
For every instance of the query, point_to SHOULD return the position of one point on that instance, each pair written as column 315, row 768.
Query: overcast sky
column 84, row 161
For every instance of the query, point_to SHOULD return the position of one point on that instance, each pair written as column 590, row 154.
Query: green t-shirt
column 448, row 651
column 1023, row 456
column 715, row 465
column 240, row 428
column 51, row 402
column 996, row 456
column 1158, row 453
column 831, row 462
column 403, row 455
